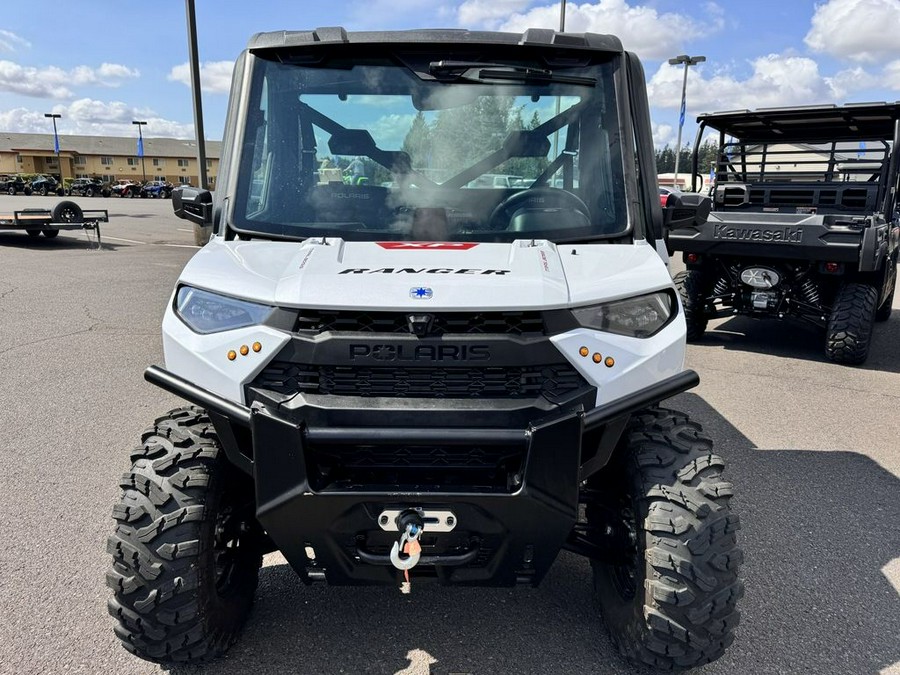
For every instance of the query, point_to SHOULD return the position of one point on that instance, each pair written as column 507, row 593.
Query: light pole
column 194, row 60
column 141, row 148
column 54, row 117
column 687, row 61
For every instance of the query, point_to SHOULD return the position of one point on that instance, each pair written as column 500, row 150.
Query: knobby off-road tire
column 669, row 599
column 849, row 332
column 185, row 568
column 690, row 284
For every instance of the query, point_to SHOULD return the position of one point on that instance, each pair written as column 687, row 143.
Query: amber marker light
column 584, row 351
column 610, row 362
column 598, row 357
column 232, row 355
column 245, row 350
column 257, row 346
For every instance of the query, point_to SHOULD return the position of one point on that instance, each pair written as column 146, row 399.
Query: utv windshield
column 422, row 147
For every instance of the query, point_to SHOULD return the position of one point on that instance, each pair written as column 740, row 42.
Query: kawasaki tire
column 849, row 332
column 668, row 593
column 690, row 285
column 185, row 557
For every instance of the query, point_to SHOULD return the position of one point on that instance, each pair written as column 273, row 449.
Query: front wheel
column 669, row 591
column 691, row 287
column 185, row 553
column 849, row 333
column 11, row 190
column 43, row 192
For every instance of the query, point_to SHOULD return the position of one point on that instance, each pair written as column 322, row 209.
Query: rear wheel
column 185, row 550
column 28, row 190
column 44, row 191
column 89, row 192
column 849, row 333
column 691, row 286
column 668, row 595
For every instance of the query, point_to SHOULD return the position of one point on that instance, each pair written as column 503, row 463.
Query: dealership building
column 109, row 158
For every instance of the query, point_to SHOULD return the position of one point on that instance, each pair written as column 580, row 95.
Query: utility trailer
column 64, row 216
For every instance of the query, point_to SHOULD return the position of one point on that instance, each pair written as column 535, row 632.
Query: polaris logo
column 420, row 270
column 784, row 235
column 418, row 353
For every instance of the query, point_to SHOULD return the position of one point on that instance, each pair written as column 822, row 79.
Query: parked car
column 89, row 187
column 664, row 192
column 47, row 185
column 158, row 189
column 126, row 188
column 12, row 184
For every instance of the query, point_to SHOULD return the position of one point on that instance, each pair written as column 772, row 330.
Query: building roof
column 107, row 145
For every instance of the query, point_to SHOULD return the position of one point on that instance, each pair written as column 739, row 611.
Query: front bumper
column 507, row 533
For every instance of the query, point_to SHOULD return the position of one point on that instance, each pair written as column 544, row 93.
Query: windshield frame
column 251, row 68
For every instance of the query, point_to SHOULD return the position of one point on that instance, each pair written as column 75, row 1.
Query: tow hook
column 411, row 524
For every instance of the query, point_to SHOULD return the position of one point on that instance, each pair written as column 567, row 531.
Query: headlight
column 206, row 312
column 639, row 317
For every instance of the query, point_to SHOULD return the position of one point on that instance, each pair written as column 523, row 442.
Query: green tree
column 417, row 143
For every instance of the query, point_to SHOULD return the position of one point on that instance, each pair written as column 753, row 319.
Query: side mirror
column 685, row 210
column 194, row 204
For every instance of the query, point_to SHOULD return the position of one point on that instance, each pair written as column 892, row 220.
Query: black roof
column 338, row 35
column 808, row 123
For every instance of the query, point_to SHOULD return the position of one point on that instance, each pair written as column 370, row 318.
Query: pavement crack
column 31, row 343
column 10, row 291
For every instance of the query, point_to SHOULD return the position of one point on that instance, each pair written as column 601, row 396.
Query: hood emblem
column 420, row 293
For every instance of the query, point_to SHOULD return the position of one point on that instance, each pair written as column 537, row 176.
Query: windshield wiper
column 501, row 71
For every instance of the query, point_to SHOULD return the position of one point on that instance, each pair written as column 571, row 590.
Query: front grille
column 455, row 323
column 425, row 467
column 553, row 381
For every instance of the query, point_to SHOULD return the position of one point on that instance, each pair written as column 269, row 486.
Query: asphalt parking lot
column 812, row 448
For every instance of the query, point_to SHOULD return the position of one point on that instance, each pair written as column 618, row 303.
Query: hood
column 333, row 273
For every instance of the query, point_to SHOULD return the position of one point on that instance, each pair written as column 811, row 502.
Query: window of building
column 209, row 164
column 159, row 162
column 133, row 161
column 182, row 162
column 19, row 158
column 160, row 178
column 107, row 178
column 106, row 161
column 184, row 180
column 80, row 160
column 81, row 175
column 51, row 163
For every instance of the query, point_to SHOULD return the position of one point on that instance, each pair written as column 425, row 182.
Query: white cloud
column 663, row 134
column 91, row 117
column 891, row 76
column 215, row 76
column 475, row 12
column 10, row 42
column 54, row 82
column 859, row 30
column 641, row 28
column 390, row 130
column 776, row 80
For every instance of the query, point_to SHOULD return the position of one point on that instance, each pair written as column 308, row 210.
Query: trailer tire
column 669, row 597
column 67, row 212
column 33, row 233
column 690, row 285
column 849, row 333
column 50, row 233
column 184, row 568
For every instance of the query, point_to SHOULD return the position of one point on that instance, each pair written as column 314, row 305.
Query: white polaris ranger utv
column 400, row 373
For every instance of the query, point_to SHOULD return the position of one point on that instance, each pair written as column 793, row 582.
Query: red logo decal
column 427, row 245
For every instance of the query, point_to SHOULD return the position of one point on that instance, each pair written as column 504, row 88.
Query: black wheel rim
column 229, row 548
column 67, row 215
column 625, row 572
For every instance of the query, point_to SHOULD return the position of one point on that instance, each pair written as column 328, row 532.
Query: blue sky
column 103, row 64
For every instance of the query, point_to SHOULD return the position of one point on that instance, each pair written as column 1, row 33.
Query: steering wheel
column 538, row 198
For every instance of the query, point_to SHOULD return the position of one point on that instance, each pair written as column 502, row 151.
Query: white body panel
column 334, row 274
